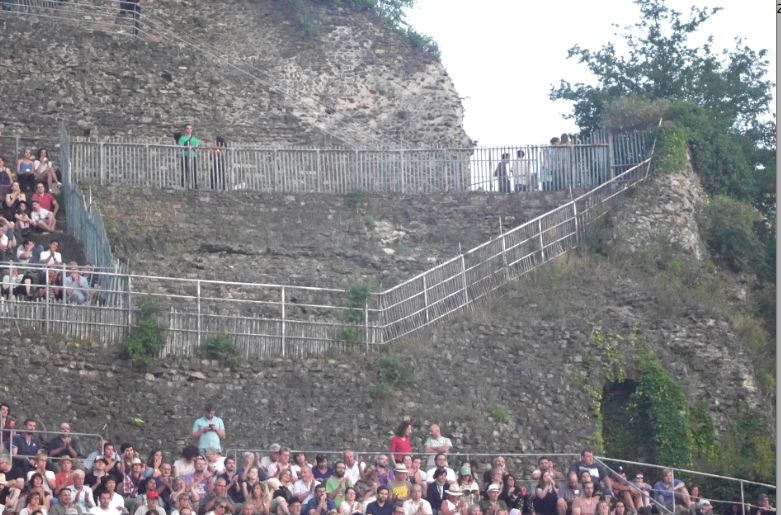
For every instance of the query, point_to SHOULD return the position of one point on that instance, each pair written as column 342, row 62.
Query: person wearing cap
column 152, row 501
column 381, row 506
column 399, row 487
column 493, row 504
column 65, row 506
column 416, row 504
column 453, row 504
column 273, row 457
column 81, row 494
column 621, row 489
column 131, row 483
column 104, row 505
column 63, row 478
column 468, row 485
column 322, row 471
column 763, row 507
column 336, row 485
column 208, row 430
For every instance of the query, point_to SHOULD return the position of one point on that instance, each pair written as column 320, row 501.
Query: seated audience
column 42, row 220
column 46, row 200
column 44, row 170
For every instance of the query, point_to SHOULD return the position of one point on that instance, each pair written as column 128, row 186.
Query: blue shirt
column 666, row 492
column 209, row 438
column 312, row 505
column 375, row 509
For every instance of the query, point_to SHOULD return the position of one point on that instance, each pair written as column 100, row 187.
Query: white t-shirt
column 25, row 511
column 117, row 502
column 97, row 510
column 450, row 476
column 19, row 252
column 184, row 469
column 4, row 241
column 354, row 472
column 219, row 465
column 410, row 507
column 37, row 216
column 435, row 443
column 44, row 165
column 46, row 256
column 300, row 488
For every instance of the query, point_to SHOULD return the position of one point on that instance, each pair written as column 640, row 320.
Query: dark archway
column 626, row 425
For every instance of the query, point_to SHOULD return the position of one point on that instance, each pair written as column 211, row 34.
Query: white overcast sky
column 505, row 54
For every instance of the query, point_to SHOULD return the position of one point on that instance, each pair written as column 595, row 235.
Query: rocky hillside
column 307, row 240
column 113, row 84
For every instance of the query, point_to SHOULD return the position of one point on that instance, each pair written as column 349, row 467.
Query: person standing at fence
column 189, row 158
column 132, row 8
column 502, row 173
column 520, row 172
column 208, row 430
column 24, row 172
column 219, row 164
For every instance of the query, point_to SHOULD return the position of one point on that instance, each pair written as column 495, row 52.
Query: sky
column 504, row 55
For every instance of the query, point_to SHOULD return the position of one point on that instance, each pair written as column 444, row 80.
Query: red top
column 45, row 200
column 400, row 445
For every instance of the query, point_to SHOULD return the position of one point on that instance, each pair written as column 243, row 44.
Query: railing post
column 148, row 171
column 317, row 164
column 283, row 321
column 610, row 158
column 504, row 251
column 46, row 307
column 575, row 215
column 100, row 164
column 463, row 274
column 401, row 170
column 742, row 499
column 542, row 243
column 198, row 290
column 16, row 155
column 366, row 322
column 129, row 305
column 425, row 297
column 276, row 170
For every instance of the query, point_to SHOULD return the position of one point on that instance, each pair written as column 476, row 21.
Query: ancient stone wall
column 114, row 84
column 308, row 240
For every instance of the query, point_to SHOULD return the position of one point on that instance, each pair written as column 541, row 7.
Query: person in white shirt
column 304, row 488
column 51, row 256
column 81, row 494
column 42, row 219
column 440, row 462
column 151, row 506
column 104, row 507
column 436, row 443
column 266, row 462
column 416, row 505
column 353, row 468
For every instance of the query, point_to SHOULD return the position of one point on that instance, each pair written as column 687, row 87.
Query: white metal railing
column 592, row 160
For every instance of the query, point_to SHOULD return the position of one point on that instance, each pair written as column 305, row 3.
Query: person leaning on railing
column 189, row 161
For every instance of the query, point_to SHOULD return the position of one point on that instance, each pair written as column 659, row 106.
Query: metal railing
column 311, row 170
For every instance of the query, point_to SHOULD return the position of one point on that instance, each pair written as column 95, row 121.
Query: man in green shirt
column 189, row 161
column 338, row 483
column 493, row 504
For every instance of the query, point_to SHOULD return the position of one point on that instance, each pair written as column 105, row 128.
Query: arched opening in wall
column 626, row 425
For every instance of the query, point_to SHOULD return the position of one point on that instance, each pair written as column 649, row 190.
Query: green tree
column 660, row 64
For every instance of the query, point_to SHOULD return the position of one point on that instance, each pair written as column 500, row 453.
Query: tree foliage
column 661, row 64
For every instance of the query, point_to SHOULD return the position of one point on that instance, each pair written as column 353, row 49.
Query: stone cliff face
column 114, row 84
column 308, row 240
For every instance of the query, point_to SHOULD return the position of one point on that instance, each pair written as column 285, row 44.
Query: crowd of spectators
column 25, row 279
column 55, row 479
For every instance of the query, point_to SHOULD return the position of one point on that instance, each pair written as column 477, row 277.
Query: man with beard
column 338, row 483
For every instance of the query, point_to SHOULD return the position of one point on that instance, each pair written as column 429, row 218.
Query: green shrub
column 392, row 370
column 350, row 335
column 497, row 413
column 728, row 227
column 148, row 338
column 354, row 197
column 670, row 155
column 633, row 112
column 369, row 222
column 220, row 347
